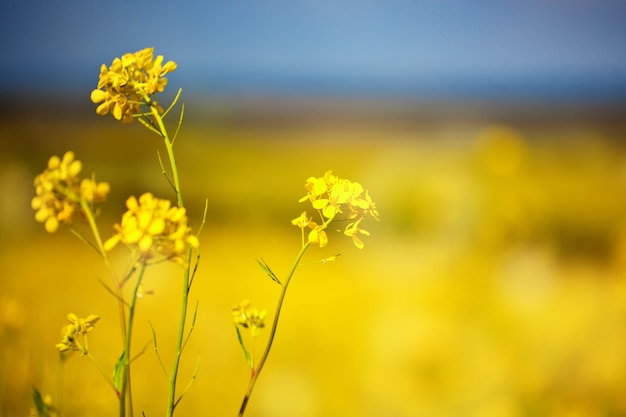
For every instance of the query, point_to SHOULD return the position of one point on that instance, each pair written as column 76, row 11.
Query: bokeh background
column 489, row 133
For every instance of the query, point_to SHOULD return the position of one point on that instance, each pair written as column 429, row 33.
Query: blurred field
column 493, row 285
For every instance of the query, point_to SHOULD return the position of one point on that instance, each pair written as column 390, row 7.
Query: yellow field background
column 493, row 284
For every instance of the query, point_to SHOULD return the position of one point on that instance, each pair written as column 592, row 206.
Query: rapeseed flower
column 129, row 83
column 249, row 318
column 332, row 196
column 353, row 230
column 317, row 235
column 154, row 228
column 75, row 333
column 60, row 191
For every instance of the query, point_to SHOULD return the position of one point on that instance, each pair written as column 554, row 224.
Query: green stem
column 169, row 146
column 118, row 292
column 281, row 298
column 57, row 401
column 106, row 376
column 186, row 285
column 125, row 387
column 171, row 401
column 96, row 234
column 116, row 284
column 91, row 219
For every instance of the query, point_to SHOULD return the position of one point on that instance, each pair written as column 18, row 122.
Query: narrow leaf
column 40, row 405
column 193, row 324
column 154, row 339
column 118, row 372
column 148, row 124
column 243, row 347
column 268, row 271
column 156, row 350
column 191, row 381
column 91, row 245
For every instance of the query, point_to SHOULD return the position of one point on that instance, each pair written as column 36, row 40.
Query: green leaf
column 40, row 405
column 154, row 339
column 118, row 372
column 243, row 347
column 268, row 271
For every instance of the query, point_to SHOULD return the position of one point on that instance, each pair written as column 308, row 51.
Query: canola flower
column 75, row 333
column 60, row 192
column 129, row 83
column 154, row 228
column 332, row 196
column 249, row 318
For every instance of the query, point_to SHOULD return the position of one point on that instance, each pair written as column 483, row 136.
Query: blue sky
column 410, row 47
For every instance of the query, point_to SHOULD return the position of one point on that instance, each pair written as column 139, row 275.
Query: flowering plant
column 156, row 230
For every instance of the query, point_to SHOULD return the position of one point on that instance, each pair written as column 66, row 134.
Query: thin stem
column 186, row 283
column 125, row 387
column 169, row 146
column 171, row 402
column 103, row 253
column 254, row 375
column 106, row 376
column 57, row 400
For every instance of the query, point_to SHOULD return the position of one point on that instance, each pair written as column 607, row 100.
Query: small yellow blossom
column 129, row 82
column 59, row 191
column 75, row 333
column 154, row 228
column 332, row 196
column 318, row 236
column 353, row 230
column 93, row 191
column 301, row 221
column 249, row 318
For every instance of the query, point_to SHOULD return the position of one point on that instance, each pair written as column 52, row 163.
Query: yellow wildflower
column 353, row 230
column 318, row 236
column 93, row 191
column 153, row 227
column 59, row 191
column 75, row 333
column 249, row 318
column 301, row 221
column 129, row 82
column 333, row 196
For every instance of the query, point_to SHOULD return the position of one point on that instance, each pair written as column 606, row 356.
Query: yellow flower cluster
column 154, row 228
column 249, row 318
column 59, row 191
column 331, row 196
column 129, row 82
column 75, row 331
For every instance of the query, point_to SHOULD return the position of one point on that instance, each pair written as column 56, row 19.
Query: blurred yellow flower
column 353, row 230
column 318, row 236
column 153, row 227
column 301, row 221
column 93, row 191
column 59, row 191
column 249, row 318
column 75, row 331
column 129, row 82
